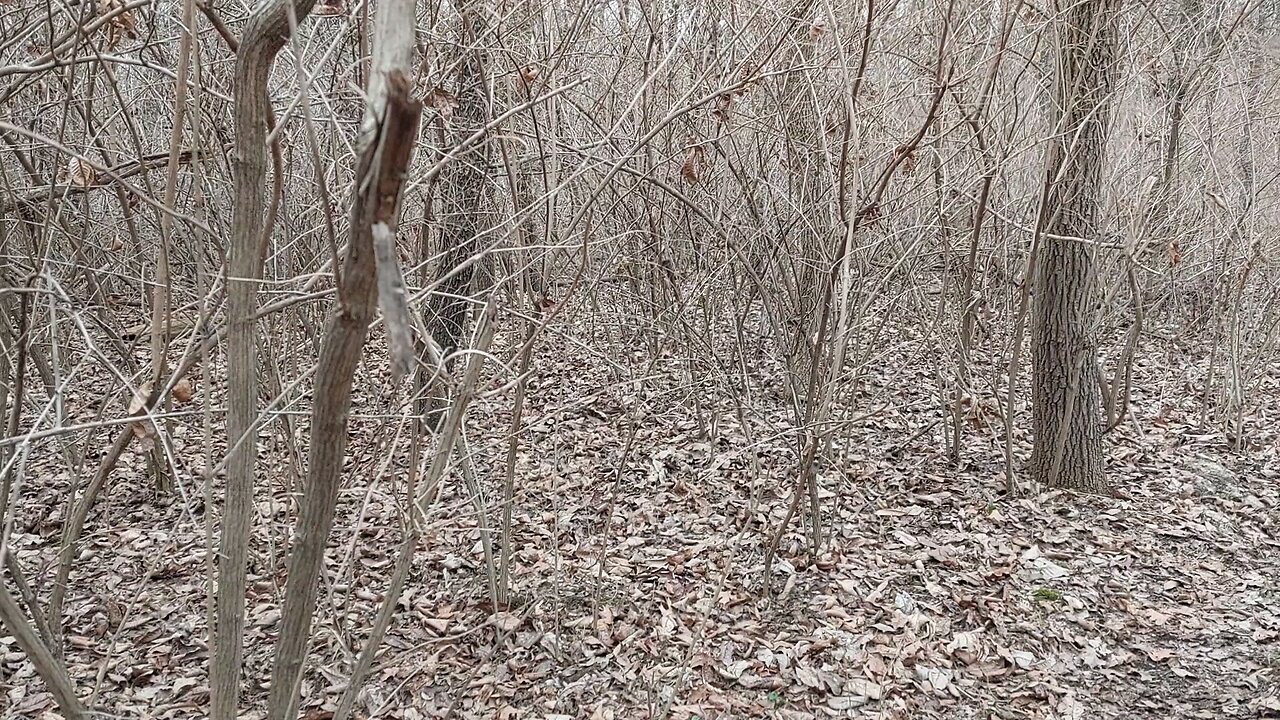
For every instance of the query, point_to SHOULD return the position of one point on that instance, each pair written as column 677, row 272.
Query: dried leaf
column 143, row 430
column 77, row 172
column 694, row 165
column 817, row 29
column 864, row 688
column 723, row 104
column 442, row 101
column 330, row 9
column 138, row 401
column 934, row 678
column 528, row 77
column 905, row 156
column 122, row 23
column 182, row 391
column 966, row 646
column 506, row 621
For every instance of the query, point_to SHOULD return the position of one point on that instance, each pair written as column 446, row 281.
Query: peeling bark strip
column 379, row 180
column 1065, row 393
column 393, row 301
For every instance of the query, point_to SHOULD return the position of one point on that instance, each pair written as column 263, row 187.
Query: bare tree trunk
column 1066, row 397
column 389, row 133
column 264, row 35
column 465, row 195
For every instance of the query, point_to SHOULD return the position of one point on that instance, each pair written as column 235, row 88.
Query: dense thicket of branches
column 765, row 200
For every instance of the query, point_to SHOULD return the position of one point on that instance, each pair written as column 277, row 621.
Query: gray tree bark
column 466, row 193
column 1067, row 421
column 264, row 35
column 48, row 666
column 389, row 134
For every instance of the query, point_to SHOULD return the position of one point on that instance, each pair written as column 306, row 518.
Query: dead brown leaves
column 121, row 22
column 723, row 104
column 182, row 391
column 528, row 79
column 693, row 169
column 935, row 598
column 78, row 173
column 904, row 158
column 442, row 101
column 143, row 430
column 330, row 9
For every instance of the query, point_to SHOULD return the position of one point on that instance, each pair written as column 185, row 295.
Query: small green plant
column 1045, row 594
column 776, row 699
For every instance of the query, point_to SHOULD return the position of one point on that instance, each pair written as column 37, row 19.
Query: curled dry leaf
column 330, row 8
column 907, row 155
column 528, row 77
column 182, row 391
column 139, row 399
column 77, row 172
column 817, row 29
column 935, row 679
column 1175, row 253
column 723, row 104
column 966, row 647
column 442, row 101
column 122, row 23
column 142, row 429
column 694, row 165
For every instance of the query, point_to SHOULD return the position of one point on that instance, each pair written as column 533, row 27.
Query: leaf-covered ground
column 642, row 509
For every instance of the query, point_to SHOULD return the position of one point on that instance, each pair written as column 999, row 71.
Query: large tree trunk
column 1066, row 418
column 465, row 196
column 264, row 35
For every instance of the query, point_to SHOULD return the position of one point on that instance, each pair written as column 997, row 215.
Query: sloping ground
column 639, row 576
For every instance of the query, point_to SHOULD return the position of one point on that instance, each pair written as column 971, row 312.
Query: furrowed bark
column 264, row 36
column 465, row 200
column 1066, row 417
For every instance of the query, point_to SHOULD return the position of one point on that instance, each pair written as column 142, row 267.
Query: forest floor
column 638, row 594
